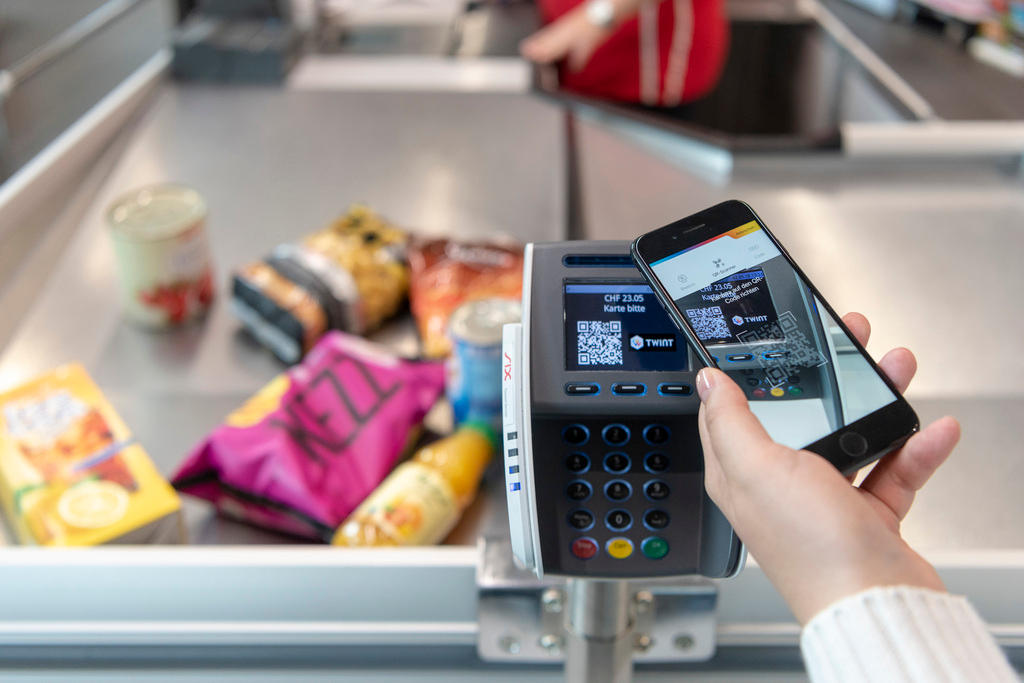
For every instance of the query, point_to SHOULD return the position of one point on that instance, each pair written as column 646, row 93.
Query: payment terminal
column 603, row 464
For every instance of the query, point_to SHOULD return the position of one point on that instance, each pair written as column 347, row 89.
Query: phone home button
column 853, row 444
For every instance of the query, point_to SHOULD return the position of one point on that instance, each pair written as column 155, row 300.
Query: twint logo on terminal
column 653, row 342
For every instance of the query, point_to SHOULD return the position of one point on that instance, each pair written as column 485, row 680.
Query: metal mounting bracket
column 524, row 619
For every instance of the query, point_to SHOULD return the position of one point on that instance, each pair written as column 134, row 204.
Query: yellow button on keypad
column 619, row 548
column 777, row 391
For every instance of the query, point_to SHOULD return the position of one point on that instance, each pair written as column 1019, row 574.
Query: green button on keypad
column 654, row 547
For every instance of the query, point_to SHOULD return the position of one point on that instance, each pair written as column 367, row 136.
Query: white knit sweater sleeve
column 898, row 633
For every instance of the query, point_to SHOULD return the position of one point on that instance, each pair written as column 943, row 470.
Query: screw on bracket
column 644, row 601
column 683, row 641
column 552, row 643
column 642, row 642
column 509, row 644
column 552, row 600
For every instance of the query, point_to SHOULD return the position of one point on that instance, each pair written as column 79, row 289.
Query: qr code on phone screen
column 599, row 342
column 708, row 323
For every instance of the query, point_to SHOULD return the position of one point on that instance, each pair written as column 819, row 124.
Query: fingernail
column 705, row 381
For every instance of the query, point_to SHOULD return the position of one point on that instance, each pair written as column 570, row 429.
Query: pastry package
column 302, row 453
column 446, row 274
column 72, row 474
column 350, row 276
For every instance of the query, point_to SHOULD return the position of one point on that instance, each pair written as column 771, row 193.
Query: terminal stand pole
column 600, row 625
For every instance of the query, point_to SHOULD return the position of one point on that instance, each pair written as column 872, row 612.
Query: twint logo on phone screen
column 698, row 266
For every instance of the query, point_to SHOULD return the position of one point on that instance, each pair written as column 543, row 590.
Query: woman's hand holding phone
column 817, row 537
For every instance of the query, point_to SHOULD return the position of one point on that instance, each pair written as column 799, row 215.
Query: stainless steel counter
column 274, row 165
column 878, row 236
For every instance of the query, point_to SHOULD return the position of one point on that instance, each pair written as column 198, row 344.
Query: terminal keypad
column 620, row 481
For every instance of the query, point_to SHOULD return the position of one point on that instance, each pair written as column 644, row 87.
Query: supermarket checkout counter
column 236, row 600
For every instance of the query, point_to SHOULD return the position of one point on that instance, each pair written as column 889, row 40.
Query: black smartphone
column 748, row 309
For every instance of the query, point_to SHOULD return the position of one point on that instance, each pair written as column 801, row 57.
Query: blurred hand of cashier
column 658, row 52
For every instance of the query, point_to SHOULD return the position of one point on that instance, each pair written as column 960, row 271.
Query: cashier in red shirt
column 656, row 52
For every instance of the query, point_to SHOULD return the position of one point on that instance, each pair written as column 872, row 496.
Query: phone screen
column 804, row 377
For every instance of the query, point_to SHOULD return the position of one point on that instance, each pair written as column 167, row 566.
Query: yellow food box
column 71, row 474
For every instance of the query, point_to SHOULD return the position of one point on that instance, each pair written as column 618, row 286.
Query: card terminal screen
column 619, row 326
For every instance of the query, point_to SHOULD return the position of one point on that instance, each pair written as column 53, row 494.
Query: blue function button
column 577, row 435
column 674, row 389
column 615, row 434
column 577, row 462
column 578, row 490
column 656, row 434
column 616, row 462
column 625, row 389
column 582, row 389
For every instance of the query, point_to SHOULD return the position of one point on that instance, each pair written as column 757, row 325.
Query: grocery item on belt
column 350, row 276
column 421, row 501
column 446, row 274
column 303, row 452
column 159, row 235
column 72, row 474
column 474, row 368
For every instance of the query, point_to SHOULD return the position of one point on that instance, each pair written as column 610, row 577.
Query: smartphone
column 748, row 309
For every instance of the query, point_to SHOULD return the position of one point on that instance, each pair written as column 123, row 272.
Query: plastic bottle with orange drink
column 421, row 501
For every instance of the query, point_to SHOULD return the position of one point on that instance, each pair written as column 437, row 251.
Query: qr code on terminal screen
column 708, row 323
column 599, row 342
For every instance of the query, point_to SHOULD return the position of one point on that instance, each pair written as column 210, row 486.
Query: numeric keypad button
column 619, row 520
column 617, row 490
column 616, row 462
column 578, row 490
column 656, row 434
column 576, row 435
column 615, row 434
column 656, row 490
column 577, row 462
column 656, row 462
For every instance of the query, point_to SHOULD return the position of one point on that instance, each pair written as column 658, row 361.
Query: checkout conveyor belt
column 875, row 237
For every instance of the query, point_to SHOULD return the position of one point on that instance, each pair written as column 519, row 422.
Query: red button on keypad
column 584, row 548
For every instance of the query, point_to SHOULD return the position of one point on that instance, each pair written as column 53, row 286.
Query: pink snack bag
column 303, row 452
